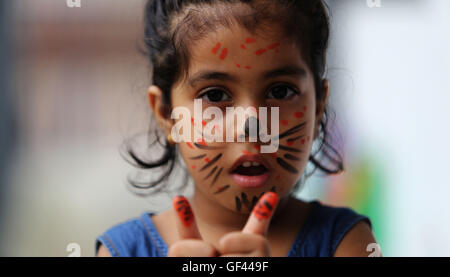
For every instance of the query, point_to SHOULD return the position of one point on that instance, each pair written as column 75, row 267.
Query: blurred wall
column 388, row 68
column 79, row 90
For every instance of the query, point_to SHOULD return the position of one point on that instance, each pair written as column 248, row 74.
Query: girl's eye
column 281, row 92
column 215, row 96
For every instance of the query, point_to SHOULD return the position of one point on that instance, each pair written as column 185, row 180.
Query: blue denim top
column 319, row 236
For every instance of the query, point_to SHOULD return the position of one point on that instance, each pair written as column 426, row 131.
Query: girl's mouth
column 250, row 171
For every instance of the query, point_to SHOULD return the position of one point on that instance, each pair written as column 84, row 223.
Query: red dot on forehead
column 243, row 46
column 260, row 51
column 272, row 46
column 216, row 48
column 224, row 53
column 250, row 40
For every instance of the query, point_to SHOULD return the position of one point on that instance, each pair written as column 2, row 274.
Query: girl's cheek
column 296, row 128
column 205, row 167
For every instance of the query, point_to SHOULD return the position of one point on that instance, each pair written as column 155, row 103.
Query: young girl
column 249, row 54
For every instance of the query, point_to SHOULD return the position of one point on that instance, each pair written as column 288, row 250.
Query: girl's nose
column 252, row 122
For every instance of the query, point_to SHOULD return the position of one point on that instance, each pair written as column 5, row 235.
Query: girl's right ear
column 160, row 110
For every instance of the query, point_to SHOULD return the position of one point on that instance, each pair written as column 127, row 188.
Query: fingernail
column 265, row 206
column 183, row 209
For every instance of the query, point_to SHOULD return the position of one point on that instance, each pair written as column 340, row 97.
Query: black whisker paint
column 254, row 201
column 213, row 161
column 198, row 157
column 222, row 189
column 238, row 204
column 287, row 166
column 211, row 173
column 206, row 147
column 245, row 200
column 291, row 157
column 217, row 176
column 292, row 131
column 296, row 138
column 290, row 149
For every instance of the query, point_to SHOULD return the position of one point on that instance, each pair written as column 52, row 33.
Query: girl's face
column 232, row 68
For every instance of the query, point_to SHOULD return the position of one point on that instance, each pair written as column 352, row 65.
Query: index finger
column 259, row 220
column 186, row 225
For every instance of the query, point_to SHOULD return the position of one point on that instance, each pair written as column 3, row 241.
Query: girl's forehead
column 242, row 52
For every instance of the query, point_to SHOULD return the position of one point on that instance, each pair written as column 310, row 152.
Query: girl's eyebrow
column 207, row 75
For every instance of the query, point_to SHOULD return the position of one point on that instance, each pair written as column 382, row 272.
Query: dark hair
column 171, row 25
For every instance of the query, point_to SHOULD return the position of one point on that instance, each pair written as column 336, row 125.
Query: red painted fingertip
column 266, row 205
column 183, row 209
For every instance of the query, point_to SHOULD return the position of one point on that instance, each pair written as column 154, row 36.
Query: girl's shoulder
column 324, row 229
column 136, row 237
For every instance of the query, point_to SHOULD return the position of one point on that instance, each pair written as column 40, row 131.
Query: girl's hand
column 191, row 243
column 251, row 241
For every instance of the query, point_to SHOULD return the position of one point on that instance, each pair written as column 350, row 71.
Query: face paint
column 291, row 141
column 287, row 166
column 216, row 177
column 222, row 189
column 216, row 48
column 260, row 52
column 299, row 114
column 211, row 173
column 213, row 161
column 291, row 157
column 203, row 146
column 198, row 157
column 183, row 209
column 252, row 128
column 250, row 40
column 273, row 46
column 290, row 149
column 190, row 145
column 245, row 152
column 292, row 131
column 243, row 199
column 224, row 54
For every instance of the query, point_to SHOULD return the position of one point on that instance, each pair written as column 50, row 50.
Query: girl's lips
column 250, row 180
column 246, row 181
column 250, row 158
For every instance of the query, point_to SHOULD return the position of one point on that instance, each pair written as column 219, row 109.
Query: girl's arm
column 355, row 242
column 103, row 252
